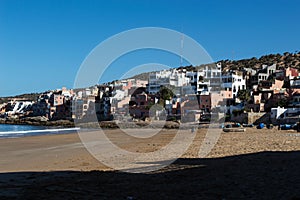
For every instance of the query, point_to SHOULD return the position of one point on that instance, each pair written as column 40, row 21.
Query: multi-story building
column 205, row 79
column 103, row 103
column 212, row 73
column 263, row 74
column 205, row 102
column 197, row 82
column 173, row 108
column 233, row 81
column 291, row 73
column 166, row 78
column 60, row 104
column 42, row 106
column 130, row 83
column 140, row 104
column 192, row 82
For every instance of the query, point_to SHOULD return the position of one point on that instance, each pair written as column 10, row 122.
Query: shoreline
column 38, row 122
column 103, row 124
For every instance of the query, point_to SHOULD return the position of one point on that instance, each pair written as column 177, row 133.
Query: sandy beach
column 256, row 164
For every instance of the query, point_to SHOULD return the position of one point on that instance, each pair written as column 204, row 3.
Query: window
column 209, row 74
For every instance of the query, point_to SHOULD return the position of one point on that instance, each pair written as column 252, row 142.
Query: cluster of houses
column 175, row 94
column 52, row 105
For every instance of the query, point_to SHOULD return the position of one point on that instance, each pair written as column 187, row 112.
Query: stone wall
column 251, row 118
column 241, row 118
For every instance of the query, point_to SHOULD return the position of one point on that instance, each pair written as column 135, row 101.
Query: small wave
column 35, row 132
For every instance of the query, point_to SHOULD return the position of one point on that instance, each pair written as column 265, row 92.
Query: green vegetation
column 282, row 103
column 166, row 93
column 244, row 95
column 281, row 60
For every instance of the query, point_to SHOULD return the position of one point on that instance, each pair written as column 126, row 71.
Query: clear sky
column 44, row 42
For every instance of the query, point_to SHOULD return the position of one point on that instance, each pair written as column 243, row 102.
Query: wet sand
column 256, row 164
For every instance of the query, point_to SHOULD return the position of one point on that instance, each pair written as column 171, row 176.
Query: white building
column 233, row 81
column 210, row 78
column 281, row 114
column 19, row 107
column 192, row 82
column 119, row 94
column 197, row 83
column 172, row 77
column 263, row 74
column 295, row 83
column 266, row 72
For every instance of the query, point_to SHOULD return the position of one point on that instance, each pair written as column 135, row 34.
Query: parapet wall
column 251, row 118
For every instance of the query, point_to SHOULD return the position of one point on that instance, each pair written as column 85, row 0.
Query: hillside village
column 245, row 93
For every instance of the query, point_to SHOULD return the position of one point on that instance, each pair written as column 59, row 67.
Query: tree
column 271, row 78
column 282, row 103
column 201, row 78
column 244, row 95
column 165, row 94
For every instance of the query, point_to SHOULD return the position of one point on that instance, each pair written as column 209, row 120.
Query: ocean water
column 15, row 131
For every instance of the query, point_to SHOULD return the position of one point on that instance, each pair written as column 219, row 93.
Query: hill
column 281, row 60
column 29, row 97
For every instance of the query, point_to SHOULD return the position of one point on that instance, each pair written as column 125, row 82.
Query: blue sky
column 43, row 43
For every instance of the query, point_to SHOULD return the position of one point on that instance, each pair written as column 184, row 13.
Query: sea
column 16, row 131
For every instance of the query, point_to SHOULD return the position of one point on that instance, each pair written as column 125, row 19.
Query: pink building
column 139, row 105
column 291, row 72
column 205, row 102
column 277, row 86
column 128, row 84
column 218, row 99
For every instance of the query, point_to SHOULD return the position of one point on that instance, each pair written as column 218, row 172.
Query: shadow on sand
column 265, row 175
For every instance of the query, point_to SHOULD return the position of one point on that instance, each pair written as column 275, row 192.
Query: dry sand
column 256, row 164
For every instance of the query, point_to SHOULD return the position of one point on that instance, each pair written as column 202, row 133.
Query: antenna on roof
column 181, row 50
